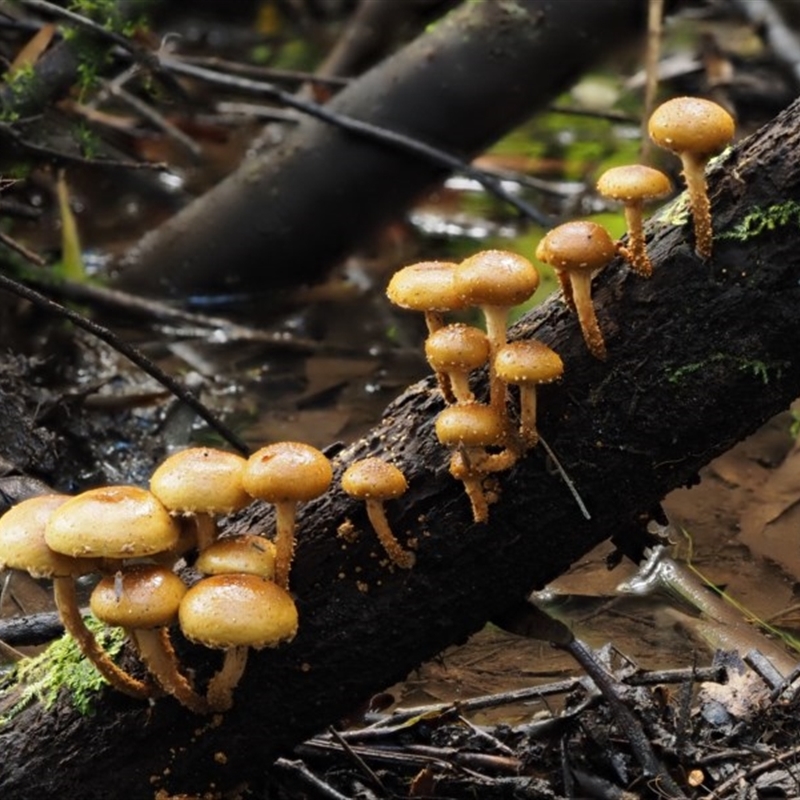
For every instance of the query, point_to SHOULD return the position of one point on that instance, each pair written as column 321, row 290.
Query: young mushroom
column 200, row 483
column 527, row 364
column 374, row 480
column 144, row 600
column 245, row 553
column 469, row 429
column 576, row 250
column 285, row 474
column 23, row 547
column 233, row 613
column 634, row 185
column 496, row 281
column 695, row 130
column 456, row 350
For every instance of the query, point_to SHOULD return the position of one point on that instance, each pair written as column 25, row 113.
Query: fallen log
column 700, row 355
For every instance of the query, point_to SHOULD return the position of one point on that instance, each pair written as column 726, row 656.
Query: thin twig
column 131, row 353
column 567, row 480
column 302, row 771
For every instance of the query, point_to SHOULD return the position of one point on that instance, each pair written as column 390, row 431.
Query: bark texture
column 289, row 215
column 699, row 356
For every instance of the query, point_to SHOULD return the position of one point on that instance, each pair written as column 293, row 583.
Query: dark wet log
column 286, row 217
column 699, row 356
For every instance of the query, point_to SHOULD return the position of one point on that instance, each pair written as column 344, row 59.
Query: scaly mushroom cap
column 691, row 125
column 495, row 278
column 527, row 362
column 577, row 245
column 471, row 425
column 287, row 471
column 201, row 480
column 141, row 596
column 634, row 183
column 112, row 522
column 373, row 478
column 22, row 544
column 457, row 347
column 226, row 611
column 248, row 553
column 426, row 286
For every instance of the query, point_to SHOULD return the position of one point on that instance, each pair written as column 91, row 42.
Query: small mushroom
column 201, row 483
column 527, row 364
column 246, row 553
column 374, row 481
column 633, row 185
column 285, row 474
column 427, row 286
column 496, row 281
column 233, row 613
column 456, row 350
column 576, row 250
column 23, row 547
column 469, row 429
column 144, row 600
column 694, row 129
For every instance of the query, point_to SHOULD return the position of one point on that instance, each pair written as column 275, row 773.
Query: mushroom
column 575, row 250
column 232, row 613
column 286, row 473
column 456, row 350
column 23, row 547
column 374, row 481
column 496, row 281
column 468, row 429
column 428, row 287
column 695, row 130
column 633, row 185
column 200, row 483
column 246, row 553
column 144, row 600
column 526, row 364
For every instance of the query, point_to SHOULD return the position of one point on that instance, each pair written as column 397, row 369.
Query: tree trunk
column 700, row 355
column 287, row 216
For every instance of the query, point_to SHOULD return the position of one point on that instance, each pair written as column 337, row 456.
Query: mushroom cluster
column 479, row 435
column 133, row 537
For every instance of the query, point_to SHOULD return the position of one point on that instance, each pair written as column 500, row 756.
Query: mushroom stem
column 462, row 469
column 566, row 288
column 377, row 516
column 527, row 417
column 205, row 529
column 582, row 294
column 636, row 252
column 67, row 605
column 695, row 177
column 221, row 686
column 496, row 321
column 155, row 649
column 285, row 514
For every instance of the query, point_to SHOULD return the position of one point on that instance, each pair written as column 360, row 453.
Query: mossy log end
column 700, row 355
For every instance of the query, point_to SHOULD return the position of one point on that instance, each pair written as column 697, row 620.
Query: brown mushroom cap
column 22, row 543
column 226, row 611
column 471, row 425
column 426, row 286
column 691, row 125
column 634, row 183
column 578, row 245
column 374, row 478
column 495, row 278
column 457, row 346
column 287, row 471
column 141, row 596
column 528, row 361
column 201, row 480
column 248, row 553
column 112, row 522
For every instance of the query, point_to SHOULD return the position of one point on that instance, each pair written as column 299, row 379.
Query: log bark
column 289, row 215
column 699, row 356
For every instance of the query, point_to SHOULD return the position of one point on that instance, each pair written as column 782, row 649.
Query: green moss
column 761, row 220
column 678, row 212
column 22, row 84
column 762, row 370
column 61, row 666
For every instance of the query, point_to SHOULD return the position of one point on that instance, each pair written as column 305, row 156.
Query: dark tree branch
column 699, row 356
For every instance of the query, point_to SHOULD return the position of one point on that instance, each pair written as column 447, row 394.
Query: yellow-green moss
column 761, row 220
column 762, row 370
column 60, row 666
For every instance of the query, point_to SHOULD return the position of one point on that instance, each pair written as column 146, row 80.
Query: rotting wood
column 700, row 355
